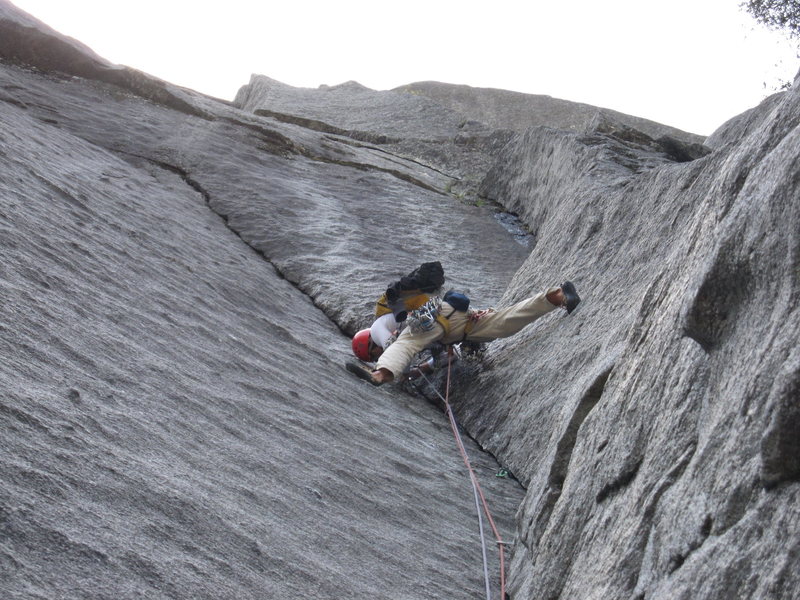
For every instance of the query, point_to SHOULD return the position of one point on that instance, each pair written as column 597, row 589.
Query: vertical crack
column 558, row 470
column 563, row 456
column 195, row 185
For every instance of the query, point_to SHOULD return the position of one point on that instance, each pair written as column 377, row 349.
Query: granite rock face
column 402, row 124
column 453, row 128
column 656, row 429
column 175, row 418
column 180, row 275
column 503, row 109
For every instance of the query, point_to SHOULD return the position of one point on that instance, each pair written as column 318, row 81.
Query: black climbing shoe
column 361, row 370
column 571, row 298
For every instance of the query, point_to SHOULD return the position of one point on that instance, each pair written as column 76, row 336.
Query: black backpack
column 412, row 291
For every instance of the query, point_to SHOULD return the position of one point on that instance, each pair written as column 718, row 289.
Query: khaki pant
column 500, row 323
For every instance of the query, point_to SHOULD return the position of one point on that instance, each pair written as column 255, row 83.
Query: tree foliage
column 776, row 14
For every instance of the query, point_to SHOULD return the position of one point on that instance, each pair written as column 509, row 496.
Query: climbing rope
column 480, row 499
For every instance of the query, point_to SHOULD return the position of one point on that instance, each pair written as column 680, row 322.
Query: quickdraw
column 426, row 316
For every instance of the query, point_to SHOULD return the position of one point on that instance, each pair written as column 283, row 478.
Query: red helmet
column 361, row 343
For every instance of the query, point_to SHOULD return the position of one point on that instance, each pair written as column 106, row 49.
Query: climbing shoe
column 362, row 371
column 571, row 298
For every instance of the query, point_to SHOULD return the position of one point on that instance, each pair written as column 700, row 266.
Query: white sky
column 692, row 64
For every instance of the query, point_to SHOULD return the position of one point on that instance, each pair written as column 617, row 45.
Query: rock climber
column 440, row 321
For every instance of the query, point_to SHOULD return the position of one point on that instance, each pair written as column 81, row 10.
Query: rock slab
column 176, row 420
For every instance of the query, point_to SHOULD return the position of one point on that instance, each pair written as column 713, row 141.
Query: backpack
column 411, row 292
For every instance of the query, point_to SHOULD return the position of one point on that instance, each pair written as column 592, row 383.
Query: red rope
column 460, row 443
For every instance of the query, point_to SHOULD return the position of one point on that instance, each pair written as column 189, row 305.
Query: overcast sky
column 692, row 64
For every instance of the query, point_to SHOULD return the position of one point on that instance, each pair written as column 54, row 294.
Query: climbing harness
column 480, row 499
column 429, row 314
